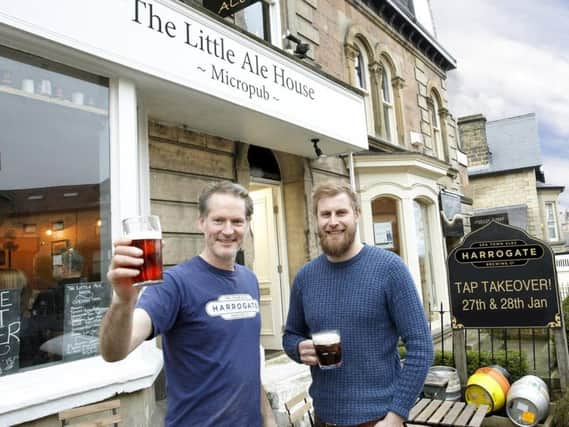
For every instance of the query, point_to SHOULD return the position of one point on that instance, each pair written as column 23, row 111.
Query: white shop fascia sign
column 234, row 86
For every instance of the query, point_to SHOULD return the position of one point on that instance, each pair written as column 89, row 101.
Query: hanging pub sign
column 452, row 224
column 500, row 277
column 225, row 8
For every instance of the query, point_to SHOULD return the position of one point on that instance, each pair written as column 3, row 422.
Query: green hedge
column 561, row 413
column 517, row 364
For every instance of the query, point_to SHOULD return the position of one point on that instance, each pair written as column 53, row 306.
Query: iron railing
column 535, row 343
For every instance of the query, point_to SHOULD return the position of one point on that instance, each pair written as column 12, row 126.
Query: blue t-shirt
column 210, row 326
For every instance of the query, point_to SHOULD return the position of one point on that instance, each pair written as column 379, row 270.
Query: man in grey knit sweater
column 369, row 296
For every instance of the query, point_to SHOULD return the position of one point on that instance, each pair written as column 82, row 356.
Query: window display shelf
column 55, row 101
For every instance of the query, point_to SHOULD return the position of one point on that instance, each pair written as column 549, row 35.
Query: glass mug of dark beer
column 145, row 233
column 328, row 345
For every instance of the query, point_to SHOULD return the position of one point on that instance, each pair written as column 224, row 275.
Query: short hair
column 224, row 187
column 332, row 189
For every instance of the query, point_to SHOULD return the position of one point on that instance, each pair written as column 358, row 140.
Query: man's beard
column 337, row 248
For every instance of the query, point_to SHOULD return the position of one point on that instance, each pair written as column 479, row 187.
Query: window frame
column 436, row 128
column 33, row 394
column 362, row 80
column 550, row 211
column 271, row 21
column 388, row 106
column 428, row 284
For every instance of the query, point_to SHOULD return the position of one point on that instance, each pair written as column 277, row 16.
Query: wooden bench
column 435, row 412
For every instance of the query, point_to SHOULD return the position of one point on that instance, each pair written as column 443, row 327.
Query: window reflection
column 428, row 288
column 436, row 127
column 388, row 106
column 54, row 210
column 386, row 224
column 552, row 233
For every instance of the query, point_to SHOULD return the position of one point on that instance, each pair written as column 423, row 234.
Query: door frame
column 278, row 201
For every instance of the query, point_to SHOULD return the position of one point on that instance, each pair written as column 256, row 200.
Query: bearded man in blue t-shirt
column 207, row 311
column 368, row 296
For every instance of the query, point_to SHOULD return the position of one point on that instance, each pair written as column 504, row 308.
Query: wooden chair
column 299, row 407
column 112, row 417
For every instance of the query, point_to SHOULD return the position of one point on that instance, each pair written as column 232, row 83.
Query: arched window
column 435, row 116
column 388, row 105
column 361, row 79
column 359, row 71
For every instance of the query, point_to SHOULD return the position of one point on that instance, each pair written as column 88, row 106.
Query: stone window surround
column 435, row 101
column 359, row 51
column 388, row 105
column 379, row 58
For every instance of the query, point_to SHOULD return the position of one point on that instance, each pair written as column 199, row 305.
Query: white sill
column 37, row 393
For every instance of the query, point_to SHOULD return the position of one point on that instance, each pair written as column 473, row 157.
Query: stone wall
column 514, row 188
column 328, row 26
column 182, row 162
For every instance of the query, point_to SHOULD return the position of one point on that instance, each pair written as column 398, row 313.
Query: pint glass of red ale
column 146, row 234
column 328, row 346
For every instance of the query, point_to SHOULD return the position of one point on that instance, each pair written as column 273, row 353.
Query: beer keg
column 527, row 402
column 488, row 386
column 439, row 374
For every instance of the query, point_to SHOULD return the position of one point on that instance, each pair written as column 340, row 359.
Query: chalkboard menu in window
column 85, row 306
column 10, row 326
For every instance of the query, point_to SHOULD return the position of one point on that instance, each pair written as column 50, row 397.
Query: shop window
column 552, row 231
column 428, row 286
column 54, row 211
column 386, row 224
column 387, row 104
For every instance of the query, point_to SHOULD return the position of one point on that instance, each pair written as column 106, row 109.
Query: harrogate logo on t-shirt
column 231, row 307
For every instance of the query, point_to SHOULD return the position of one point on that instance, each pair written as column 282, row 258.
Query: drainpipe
column 353, row 185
